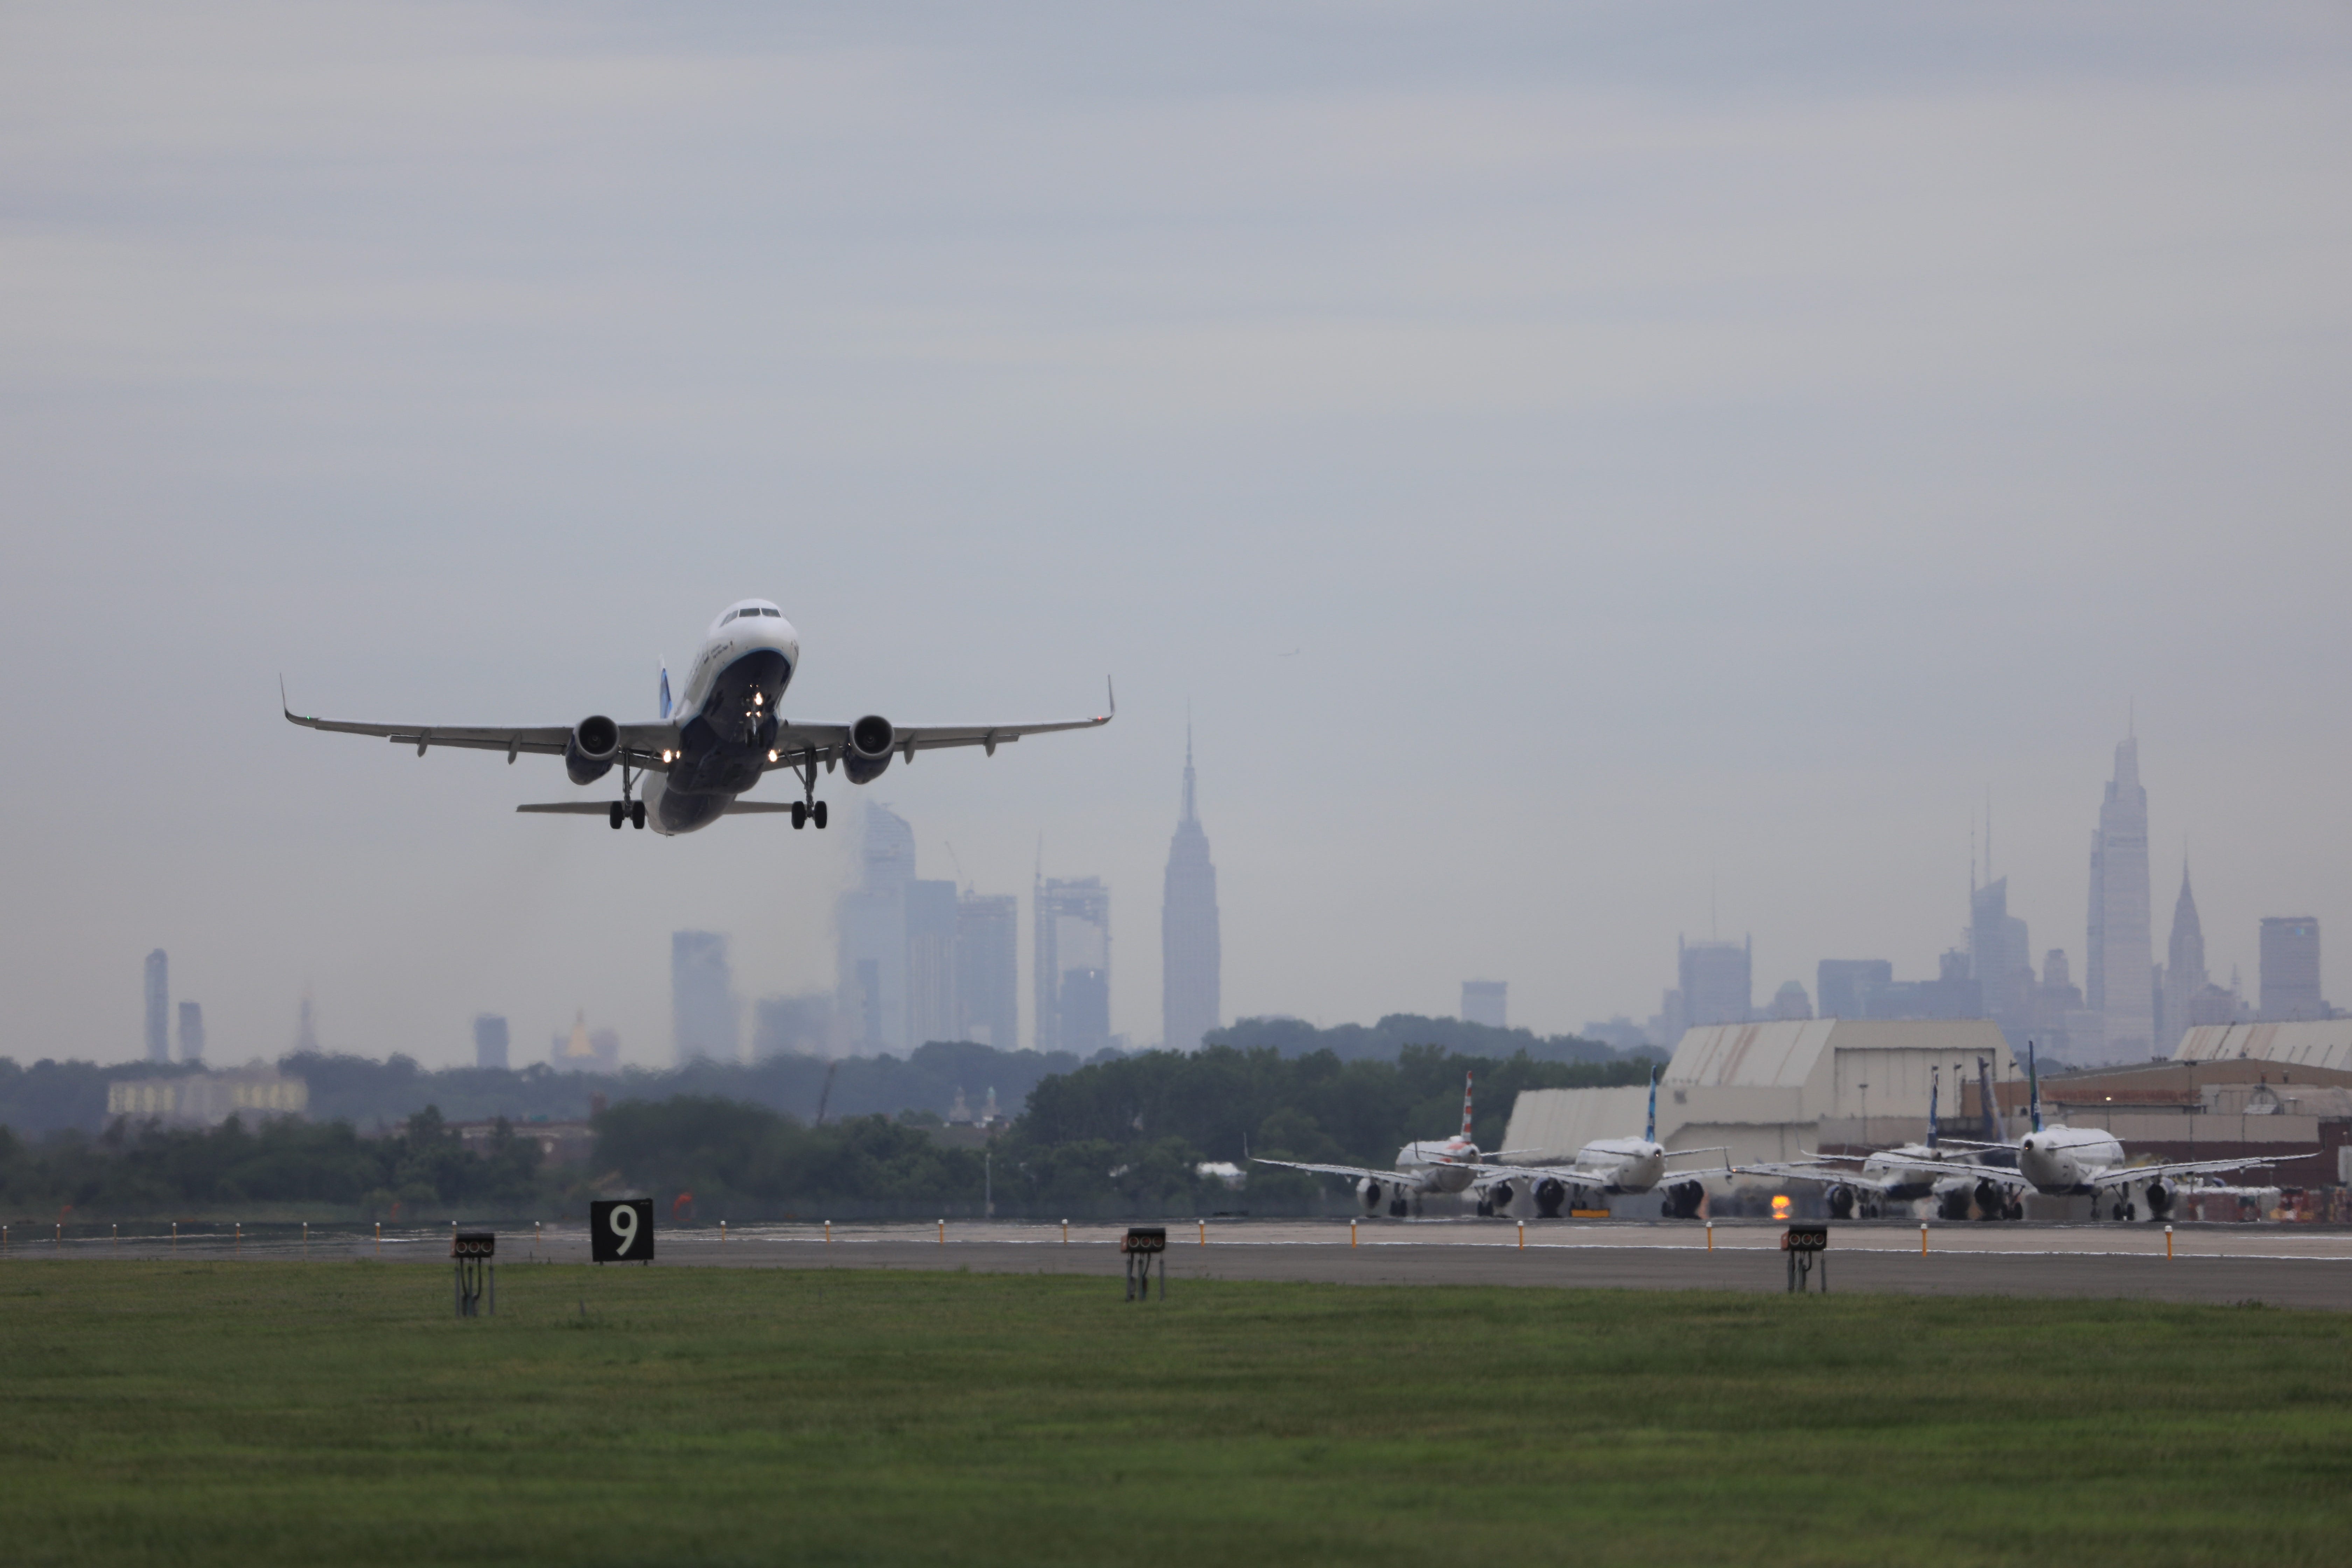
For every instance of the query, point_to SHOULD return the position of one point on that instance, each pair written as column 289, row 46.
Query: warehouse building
column 1777, row 1090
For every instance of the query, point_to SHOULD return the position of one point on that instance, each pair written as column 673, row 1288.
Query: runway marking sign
column 621, row 1230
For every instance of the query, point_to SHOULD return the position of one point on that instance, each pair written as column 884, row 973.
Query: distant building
column 1071, row 953
column 2055, row 1000
column 2184, row 970
column 702, row 998
column 930, row 963
column 1718, row 984
column 192, row 1031
column 1789, row 1004
column 1619, row 1034
column 209, row 1098
column 988, row 970
column 159, row 1006
column 1843, row 984
column 1487, row 1002
column 871, row 989
column 2001, row 960
column 792, row 1025
column 2291, row 970
column 490, row 1041
column 560, row 1143
column 1191, row 951
column 583, row 1050
column 2119, row 981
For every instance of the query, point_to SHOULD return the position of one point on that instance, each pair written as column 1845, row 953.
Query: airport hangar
column 1776, row 1091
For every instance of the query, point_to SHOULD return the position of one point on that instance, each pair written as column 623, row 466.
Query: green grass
column 335, row 1413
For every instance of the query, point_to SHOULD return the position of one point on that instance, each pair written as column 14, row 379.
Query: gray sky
column 1679, row 442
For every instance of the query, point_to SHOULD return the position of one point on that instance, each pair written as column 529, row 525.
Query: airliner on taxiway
column 1429, row 1165
column 688, row 768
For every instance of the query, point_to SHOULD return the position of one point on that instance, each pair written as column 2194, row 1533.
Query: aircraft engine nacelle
column 1841, row 1203
column 1991, row 1200
column 2160, row 1200
column 1501, row 1196
column 1550, row 1194
column 1371, row 1193
column 868, row 750
column 588, row 754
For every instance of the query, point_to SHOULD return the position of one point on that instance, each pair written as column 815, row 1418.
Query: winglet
column 291, row 716
column 1110, row 692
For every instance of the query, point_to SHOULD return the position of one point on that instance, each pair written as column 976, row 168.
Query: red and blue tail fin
column 1466, row 1108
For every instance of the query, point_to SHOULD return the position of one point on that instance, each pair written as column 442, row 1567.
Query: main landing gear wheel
column 618, row 812
column 806, row 815
column 800, row 816
column 817, row 815
column 636, row 813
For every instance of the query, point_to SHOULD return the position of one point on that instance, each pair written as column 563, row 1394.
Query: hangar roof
column 1784, row 1055
column 2323, row 1044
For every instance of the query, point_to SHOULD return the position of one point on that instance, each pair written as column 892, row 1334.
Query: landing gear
column 628, row 808
column 638, row 814
column 810, row 809
column 619, row 811
column 806, row 815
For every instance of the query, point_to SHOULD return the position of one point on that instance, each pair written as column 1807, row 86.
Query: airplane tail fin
column 665, row 691
column 1466, row 1108
column 1650, row 1127
column 2033, row 1087
column 1935, row 1088
column 1993, row 1130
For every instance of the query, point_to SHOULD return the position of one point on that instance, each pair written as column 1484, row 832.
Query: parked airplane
column 1899, row 1175
column 2088, row 1161
column 1606, row 1166
column 697, row 759
column 1447, row 1165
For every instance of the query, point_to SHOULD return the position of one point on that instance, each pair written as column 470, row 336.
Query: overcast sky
column 1569, row 458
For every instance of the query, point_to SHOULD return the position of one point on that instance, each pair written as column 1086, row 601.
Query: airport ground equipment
column 621, row 1230
column 1139, row 1246
column 476, row 1275
column 1803, row 1244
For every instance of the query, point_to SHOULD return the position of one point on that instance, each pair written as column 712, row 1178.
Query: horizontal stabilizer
column 574, row 807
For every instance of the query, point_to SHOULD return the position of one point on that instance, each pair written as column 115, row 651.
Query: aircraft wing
column 1357, row 1171
column 1999, row 1175
column 2127, row 1175
column 828, row 740
column 1828, row 1175
column 640, row 744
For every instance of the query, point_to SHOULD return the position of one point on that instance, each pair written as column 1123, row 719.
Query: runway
column 2277, row 1264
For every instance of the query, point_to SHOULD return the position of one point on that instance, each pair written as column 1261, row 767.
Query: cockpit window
column 778, row 614
column 729, row 617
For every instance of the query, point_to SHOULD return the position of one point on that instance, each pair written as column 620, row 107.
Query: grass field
column 336, row 1414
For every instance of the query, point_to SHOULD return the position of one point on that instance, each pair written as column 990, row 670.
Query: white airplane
column 2078, row 1162
column 1604, row 1166
column 1900, row 1174
column 686, row 769
column 1434, row 1165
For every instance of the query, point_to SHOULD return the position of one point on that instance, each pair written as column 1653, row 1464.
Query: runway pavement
column 2277, row 1264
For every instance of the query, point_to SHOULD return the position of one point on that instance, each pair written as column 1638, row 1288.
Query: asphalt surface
column 2286, row 1266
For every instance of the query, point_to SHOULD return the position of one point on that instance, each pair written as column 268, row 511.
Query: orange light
column 1780, row 1206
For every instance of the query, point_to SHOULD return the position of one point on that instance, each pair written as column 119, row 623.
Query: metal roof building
column 1773, row 1091
column 2326, row 1043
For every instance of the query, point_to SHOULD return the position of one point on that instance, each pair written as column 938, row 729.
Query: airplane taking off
column 1435, row 1166
column 1606, row 1166
column 2077, row 1162
column 688, row 768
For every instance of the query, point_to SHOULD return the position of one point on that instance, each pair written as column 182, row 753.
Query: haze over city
column 1588, row 479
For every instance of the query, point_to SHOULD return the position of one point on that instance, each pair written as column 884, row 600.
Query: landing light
column 771, row 756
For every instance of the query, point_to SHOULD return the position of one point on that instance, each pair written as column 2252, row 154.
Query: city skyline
column 1735, row 483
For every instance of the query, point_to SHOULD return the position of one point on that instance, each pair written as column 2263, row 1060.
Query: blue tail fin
column 665, row 691
column 1935, row 1088
column 1650, row 1128
column 1993, row 1130
column 2033, row 1087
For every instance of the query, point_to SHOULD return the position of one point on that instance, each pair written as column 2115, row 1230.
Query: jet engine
column 1841, row 1203
column 1954, row 1204
column 1550, row 1195
column 868, row 751
column 1498, row 1198
column 1683, row 1200
column 588, row 754
column 1991, row 1202
column 2160, row 1200
column 1372, row 1192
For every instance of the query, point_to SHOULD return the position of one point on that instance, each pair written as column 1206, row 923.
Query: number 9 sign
column 621, row 1230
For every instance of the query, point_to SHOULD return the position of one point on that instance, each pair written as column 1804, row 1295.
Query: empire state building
column 1189, row 949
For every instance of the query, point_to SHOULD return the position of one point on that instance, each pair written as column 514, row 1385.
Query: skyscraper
column 930, row 963
column 1844, row 984
column 2118, row 981
column 2291, row 970
column 2000, row 960
column 1071, row 953
column 702, row 998
column 2184, row 969
column 1487, row 1002
column 871, row 991
column 1190, row 949
column 490, row 1041
column 988, row 970
column 1717, row 984
column 159, row 1008
column 192, row 1031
